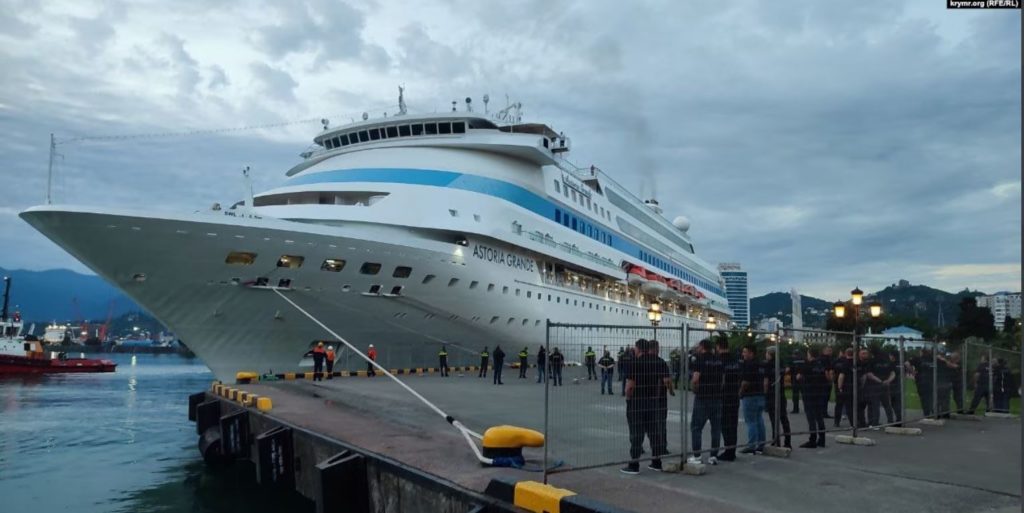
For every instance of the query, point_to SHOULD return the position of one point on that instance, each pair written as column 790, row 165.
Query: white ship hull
column 233, row 327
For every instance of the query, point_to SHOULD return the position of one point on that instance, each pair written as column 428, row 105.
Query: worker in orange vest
column 372, row 353
column 330, row 362
column 318, row 361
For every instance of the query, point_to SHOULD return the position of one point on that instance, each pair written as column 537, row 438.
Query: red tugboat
column 21, row 356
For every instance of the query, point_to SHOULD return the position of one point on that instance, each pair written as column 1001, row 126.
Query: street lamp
column 856, row 299
column 710, row 324
column 654, row 315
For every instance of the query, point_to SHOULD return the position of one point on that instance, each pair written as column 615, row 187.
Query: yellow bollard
column 264, row 404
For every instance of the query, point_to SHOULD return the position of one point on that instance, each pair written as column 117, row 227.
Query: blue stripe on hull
column 483, row 185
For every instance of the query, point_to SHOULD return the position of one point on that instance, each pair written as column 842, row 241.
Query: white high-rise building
column 798, row 315
column 736, row 293
column 1001, row 304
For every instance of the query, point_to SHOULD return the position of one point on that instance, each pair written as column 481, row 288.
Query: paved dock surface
column 961, row 467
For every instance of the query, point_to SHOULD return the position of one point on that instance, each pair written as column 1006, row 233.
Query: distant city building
column 736, row 292
column 769, row 324
column 912, row 339
column 1001, row 304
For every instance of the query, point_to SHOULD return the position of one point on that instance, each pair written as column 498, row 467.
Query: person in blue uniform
column 556, row 361
column 607, row 364
column 499, row 364
column 542, row 365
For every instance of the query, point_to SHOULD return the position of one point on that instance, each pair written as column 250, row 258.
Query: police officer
column 842, row 372
column 826, row 357
column 524, row 362
column 813, row 378
column 980, row 379
column 675, row 359
column 732, row 370
column 556, row 361
column 442, row 357
column 881, row 373
column 863, row 365
column 895, row 388
column 625, row 359
column 707, row 401
column 923, row 370
column 944, row 384
column 590, row 359
column 499, row 364
column 484, row 357
column 607, row 364
column 796, row 362
column 542, row 365
column 775, row 379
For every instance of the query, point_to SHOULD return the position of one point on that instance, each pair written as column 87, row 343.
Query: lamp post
column 654, row 315
column 839, row 308
column 711, row 324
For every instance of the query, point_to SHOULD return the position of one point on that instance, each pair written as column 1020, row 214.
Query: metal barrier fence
column 991, row 375
column 588, row 422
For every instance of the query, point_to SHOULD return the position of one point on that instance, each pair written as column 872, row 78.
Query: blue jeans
column 706, row 409
column 540, row 373
column 606, row 378
column 753, row 408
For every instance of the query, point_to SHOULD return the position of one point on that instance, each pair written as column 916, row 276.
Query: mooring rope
column 466, row 432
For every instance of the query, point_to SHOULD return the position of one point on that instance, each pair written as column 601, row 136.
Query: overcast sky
column 821, row 144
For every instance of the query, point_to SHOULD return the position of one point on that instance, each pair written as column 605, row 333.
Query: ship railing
column 548, row 240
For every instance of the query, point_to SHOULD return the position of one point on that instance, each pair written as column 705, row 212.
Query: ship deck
column 963, row 466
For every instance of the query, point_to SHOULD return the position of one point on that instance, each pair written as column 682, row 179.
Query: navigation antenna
column 49, row 171
column 401, row 101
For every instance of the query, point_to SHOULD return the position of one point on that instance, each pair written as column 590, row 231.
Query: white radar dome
column 682, row 222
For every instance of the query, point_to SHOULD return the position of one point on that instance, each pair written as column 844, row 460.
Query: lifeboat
column 655, row 285
column 687, row 290
column 636, row 275
column 676, row 289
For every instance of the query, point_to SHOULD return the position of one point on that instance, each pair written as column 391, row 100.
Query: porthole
column 402, row 272
column 490, row 287
column 396, row 290
column 428, row 278
column 240, row 258
column 371, row 268
column 374, row 289
column 290, row 261
column 473, row 284
column 452, row 282
column 504, row 290
column 333, row 265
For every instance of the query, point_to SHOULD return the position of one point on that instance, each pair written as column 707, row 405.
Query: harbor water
column 118, row 442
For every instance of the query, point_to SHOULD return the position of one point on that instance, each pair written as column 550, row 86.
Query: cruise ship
column 406, row 231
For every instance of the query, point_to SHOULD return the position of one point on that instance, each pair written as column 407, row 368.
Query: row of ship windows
column 391, row 132
column 579, row 225
column 373, row 268
column 583, row 201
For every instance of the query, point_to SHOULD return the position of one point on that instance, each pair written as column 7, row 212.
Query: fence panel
column 589, row 423
column 819, row 376
column 1005, row 381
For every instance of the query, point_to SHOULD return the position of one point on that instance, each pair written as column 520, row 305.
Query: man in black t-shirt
column 752, row 381
column 880, row 376
column 863, row 366
column 625, row 359
column 842, row 372
column 923, row 369
column 732, row 369
column 796, row 362
column 813, row 379
column 980, row 380
column 648, row 377
column 826, row 357
column 607, row 364
column 555, row 363
column 707, row 402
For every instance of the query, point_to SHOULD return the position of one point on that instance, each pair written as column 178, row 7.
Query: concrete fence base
column 995, row 415
column 854, row 440
column 893, row 430
column 964, row 416
column 932, row 422
column 777, row 452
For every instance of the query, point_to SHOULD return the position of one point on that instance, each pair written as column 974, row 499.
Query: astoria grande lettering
column 498, row 256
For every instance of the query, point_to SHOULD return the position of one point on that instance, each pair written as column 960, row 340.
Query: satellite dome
column 682, row 223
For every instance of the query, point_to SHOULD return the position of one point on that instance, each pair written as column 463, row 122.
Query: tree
column 974, row 321
column 1009, row 324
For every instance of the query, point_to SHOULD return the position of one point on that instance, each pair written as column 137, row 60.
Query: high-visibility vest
column 484, row 354
column 442, row 353
column 524, row 354
column 330, row 356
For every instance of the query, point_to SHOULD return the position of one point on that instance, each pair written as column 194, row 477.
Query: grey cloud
column 93, row 33
column 273, row 82
column 182, row 64
column 422, row 54
column 217, row 78
column 331, row 30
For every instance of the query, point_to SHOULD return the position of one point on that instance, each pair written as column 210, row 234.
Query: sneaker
column 873, row 428
column 694, row 460
column 810, row 444
column 727, row 456
column 712, row 460
column 655, row 466
column 631, row 469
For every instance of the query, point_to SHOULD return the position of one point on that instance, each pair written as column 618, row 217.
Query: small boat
column 25, row 355
column 636, row 275
column 655, row 284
